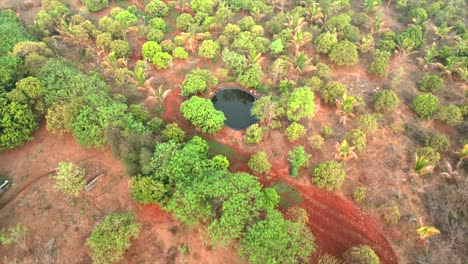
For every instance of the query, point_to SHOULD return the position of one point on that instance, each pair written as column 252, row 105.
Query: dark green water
column 236, row 105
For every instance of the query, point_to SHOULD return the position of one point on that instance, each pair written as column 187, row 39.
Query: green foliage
column 411, row 37
column 61, row 117
column 300, row 104
column 429, row 154
column 10, row 71
column 17, row 122
column 209, row 49
column 180, row 53
column 295, row 131
column 277, row 46
column 326, row 132
column 430, row 83
column 323, row 71
column 386, row 101
column 205, row 6
column 162, row 60
column 96, row 5
column 361, row 254
column 379, row 63
column 139, row 112
column 359, row 194
column 11, row 31
column 418, row 15
column 121, row 48
column 259, row 163
column 328, row 259
column 158, row 23
column 252, row 77
column 198, row 81
column 356, row 138
column 235, row 62
column 275, row 240
column 29, row 91
column 202, row 114
column 450, row 114
column 298, row 158
column 104, row 41
column 69, row 178
column 157, row 8
column 126, row 19
column 325, row 42
column 344, row 53
column 338, row 22
column 111, row 238
column 328, row 175
column 173, row 132
column 297, row 214
column 438, row 142
column 253, row 134
column 426, row 105
column 26, row 48
column 220, row 162
column 156, row 125
column 316, row 141
column 333, row 91
column 266, row 109
column 367, row 123
column 149, row 49
column 147, row 190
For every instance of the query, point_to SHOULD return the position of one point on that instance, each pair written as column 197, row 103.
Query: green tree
column 411, row 37
column 259, row 163
column 104, row 41
column 300, row 104
column 11, row 31
column 328, row 175
column 266, row 109
column 386, row 101
column 70, row 178
column 121, row 48
column 147, row 190
column 252, row 77
column 111, row 237
column 344, row 53
column 162, row 60
column 198, row 81
column 205, row 6
column 316, row 141
column 184, row 21
column 209, row 49
column 17, row 122
column 450, row 114
column 157, row 8
column 29, row 91
column 173, row 132
column 277, row 46
column 361, row 254
column 418, row 15
column 298, row 158
column 10, row 71
column 430, row 83
column 295, row 131
column 253, row 134
column 356, row 138
column 367, row 123
column 202, row 114
column 96, row 5
column 333, row 91
column 426, row 105
column 149, row 49
column 325, row 42
column 180, row 53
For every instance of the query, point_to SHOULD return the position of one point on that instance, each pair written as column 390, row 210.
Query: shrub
column 173, row 132
column 359, row 194
column 295, row 131
column 386, row 101
column 33, row 63
column 202, row 114
column 418, row 15
column 361, row 254
column 17, row 122
column 157, row 8
column 298, row 158
column 70, row 178
column 252, row 77
column 180, row 53
column 184, row 21
column 158, row 23
column 259, row 163
column 104, row 41
column 356, row 138
column 438, row 142
column 162, row 60
column 25, row 48
column 430, row 83
column 333, row 91
column 253, row 134
column 167, row 45
column 198, row 81
column 391, row 214
column 300, row 104
column 426, row 105
column 111, row 238
column 220, row 162
column 328, row 259
column 121, row 48
column 316, row 141
column 367, row 123
column 126, row 19
column 147, row 190
column 205, row 6
column 379, row 64
column 450, row 114
column 325, row 42
column 430, row 154
column 328, row 175
column 10, row 71
column 326, row 132
column 344, row 53
column 323, row 71
column 315, row 84
column 156, row 125
column 297, row 214
column 277, row 46
column 411, row 37
column 209, row 49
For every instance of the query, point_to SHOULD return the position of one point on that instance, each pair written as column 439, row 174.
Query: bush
column 450, row 114
column 411, row 37
column 316, row 141
column 438, row 142
column 220, row 162
column 297, row 214
column 156, row 125
column 198, row 81
column 17, row 122
column 26, row 48
column 360, row 255
column 180, row 53
column 162, row 60
column 300, row 104
column 167, row 45
column 104, row 41
column 10, row 71
column 386, row 101
column 126, row 19
column 326, row 132
column 259, row 163
column 173, row 132
column 149, row 49
column 147, row 190
column 430, row 83
column 418, row 15
column 202, row 114
column 430, row 154
column 328, row 259
column 325, row 42
column 70, row 178
column 328, row 175
column 253, row 134
column 333, row 91
column 298, row 158
column 252, row 77
column 158, row 23
column 391, row 214
column 157, row 8
column 344, row 53
column 209, row 49
column 379, row 64
column 121, row 48
column 367, row 123
column 295, row 131
column 205, row 6
column 184, row 22
column 359, row 194
column 277, row 46
column 323, row 71
column 356, row 138
column 426, row 105
column 111, row 238
column 315, row 84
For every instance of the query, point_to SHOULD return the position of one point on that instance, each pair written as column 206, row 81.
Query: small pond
column 235, row 104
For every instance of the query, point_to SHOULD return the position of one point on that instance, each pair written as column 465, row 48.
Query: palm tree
column 316, row 14
column 345, row 107
column 301, row 63
column 443, row 31
column 450, row 173
column 295, row 22
column 422, row 166
column 191, row 38
column 299, row 39
column 254, row 58
column 404, row 50
column 344, row 151
column 428, row 59
column 453, row 64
